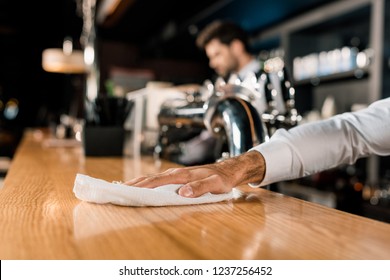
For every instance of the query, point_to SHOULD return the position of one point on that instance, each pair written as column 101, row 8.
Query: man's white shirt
column 316, row 146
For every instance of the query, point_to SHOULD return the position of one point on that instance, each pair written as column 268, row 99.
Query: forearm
column 243, row 169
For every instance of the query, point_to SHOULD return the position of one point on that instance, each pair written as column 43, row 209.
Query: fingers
column 170, row 176
column 196, row 180
column 213, row 184
column 135, row 181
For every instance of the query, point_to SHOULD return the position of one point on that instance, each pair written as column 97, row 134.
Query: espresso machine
column 235, row 114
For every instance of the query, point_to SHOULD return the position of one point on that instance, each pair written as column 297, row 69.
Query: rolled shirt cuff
column 279, row 161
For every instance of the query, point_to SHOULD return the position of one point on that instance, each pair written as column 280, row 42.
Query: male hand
column 215, row 178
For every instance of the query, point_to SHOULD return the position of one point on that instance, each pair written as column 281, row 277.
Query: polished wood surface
column 40, row 218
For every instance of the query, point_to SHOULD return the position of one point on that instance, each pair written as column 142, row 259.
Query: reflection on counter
column 93, row 222
column 91, row 219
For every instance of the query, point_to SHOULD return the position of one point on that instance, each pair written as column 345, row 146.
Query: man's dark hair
column 224, row 31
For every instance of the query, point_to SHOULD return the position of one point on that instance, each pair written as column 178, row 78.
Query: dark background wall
column 149, row 34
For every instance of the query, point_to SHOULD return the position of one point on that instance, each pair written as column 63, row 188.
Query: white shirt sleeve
column 316, row 146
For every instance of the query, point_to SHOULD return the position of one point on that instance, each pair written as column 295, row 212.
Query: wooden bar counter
column 40, row 218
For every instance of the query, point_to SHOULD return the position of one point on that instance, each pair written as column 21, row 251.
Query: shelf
column 358, row 73
column 330, row 27
column 316, row 17
column 333, row 26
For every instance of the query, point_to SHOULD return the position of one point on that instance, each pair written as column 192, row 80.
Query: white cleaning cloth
column 99, row 191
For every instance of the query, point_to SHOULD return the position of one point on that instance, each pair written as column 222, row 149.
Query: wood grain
column 40, row 218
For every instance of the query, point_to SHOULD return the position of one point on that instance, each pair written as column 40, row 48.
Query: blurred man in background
column 226, row 45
